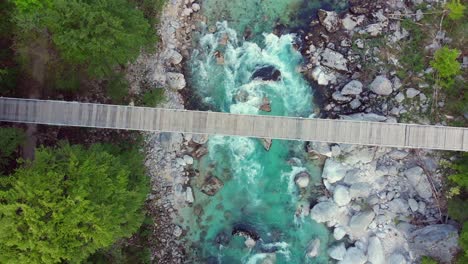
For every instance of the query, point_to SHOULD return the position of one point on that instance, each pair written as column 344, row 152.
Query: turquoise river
column 259, row 196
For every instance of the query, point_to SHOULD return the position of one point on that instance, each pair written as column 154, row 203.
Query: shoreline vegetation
column 101, row 196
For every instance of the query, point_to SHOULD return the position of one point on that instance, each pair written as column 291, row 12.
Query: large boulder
column 323, row 75
column 329, row 19
column 266, row 73
column 375, row 253
column 359, row 222
column 302, row 179
column 211, row 185
column 324, row 212
column 436, row 241
column 350, row 21
column 334, row 60
column 337, row 251
column 175, row 80
column 360, row 190
column 334, row 171
column 396, row 258
column 352, row 88
column 419, row 181
column 341, row 195
column 339, row 232
column 353, row 256
column 319, row 148
column 381, row 85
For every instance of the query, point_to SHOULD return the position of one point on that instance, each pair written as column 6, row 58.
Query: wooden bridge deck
column 60, row 113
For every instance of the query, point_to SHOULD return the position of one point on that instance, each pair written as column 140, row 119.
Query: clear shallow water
column 259, row 193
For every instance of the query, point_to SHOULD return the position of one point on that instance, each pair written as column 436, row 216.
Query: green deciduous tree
column 70, row 202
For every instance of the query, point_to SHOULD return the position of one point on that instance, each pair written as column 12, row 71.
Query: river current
column 259, row 197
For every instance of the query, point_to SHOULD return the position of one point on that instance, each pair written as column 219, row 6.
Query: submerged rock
column 313, row 248
column 266, row 105
column 245, row 230
column 267, row 73
column 250, row 243
column 211, row 185
column 266, row 142
column 222, row 238
column 189, row 195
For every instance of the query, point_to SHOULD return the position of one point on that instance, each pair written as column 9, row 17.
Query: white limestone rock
column 400, row 97
column 352, row 88
column 353, row 256
column 329, row 19
column 326, row 211
column 350, row 21
column 188, row 160
column 195, row 7
column 360, row 190
column 411, row 92
column 334, row 171
column 397, row 258
column 199, row 138
column 355, row 103
column 381, row 85
column 175, row 80
column 413, row 204
column 334, row 60
column 189, row 198
column 339, row 232
column 249, row 242
column 375, row 252
column 419, row 181
column 337, row 96
column 302, row 179
column 341, row 195
column 337, row 251
column 359, row 222
column 319, row 148
column 323, row 75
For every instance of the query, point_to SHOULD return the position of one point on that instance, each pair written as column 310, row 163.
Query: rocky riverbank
column 383, row 205
column 166, row 152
